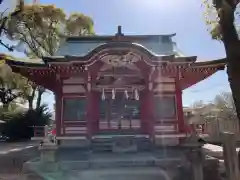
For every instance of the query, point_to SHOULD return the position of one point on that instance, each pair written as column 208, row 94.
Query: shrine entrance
column 119, row 81
column 119, row 114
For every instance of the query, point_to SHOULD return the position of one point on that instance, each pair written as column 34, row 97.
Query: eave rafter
column 186, row 68
column 199, row 72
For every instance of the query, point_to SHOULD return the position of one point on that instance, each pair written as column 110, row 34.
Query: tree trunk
column 39, row 99
column 234, row 82
column 232, row 47
column 30, row 103
column 31, row 98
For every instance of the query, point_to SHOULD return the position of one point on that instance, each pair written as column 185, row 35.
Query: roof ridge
column 93, row 37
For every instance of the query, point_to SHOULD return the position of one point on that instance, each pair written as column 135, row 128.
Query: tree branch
column 226, row 9
column 33, row 38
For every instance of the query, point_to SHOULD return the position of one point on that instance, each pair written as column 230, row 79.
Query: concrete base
column 107, row 174
column 166, row 141
column 74, row 143
column 75, row 160
column 141, row 169
column 48, row 153
column 48, row 156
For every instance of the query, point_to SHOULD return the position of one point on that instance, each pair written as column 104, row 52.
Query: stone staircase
column 121, row 143
column 144, row 143
column 101, row 144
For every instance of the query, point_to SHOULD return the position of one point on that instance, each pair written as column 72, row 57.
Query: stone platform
column 110, row 174
column 70, row 161
column 73, row 164
column 120, row 157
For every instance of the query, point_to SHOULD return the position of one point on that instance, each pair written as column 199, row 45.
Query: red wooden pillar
column 151, row 108
column 58, row 108
column 147, row 112
column 92, row 99
column 143, row 113
column 180, row 115
column 92, row 112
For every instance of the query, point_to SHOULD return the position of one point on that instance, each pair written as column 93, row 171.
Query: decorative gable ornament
column 120, row 60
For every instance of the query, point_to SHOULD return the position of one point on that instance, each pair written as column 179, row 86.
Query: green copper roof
column 81, row 46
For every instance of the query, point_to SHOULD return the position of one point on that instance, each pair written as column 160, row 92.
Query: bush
column 19, row 126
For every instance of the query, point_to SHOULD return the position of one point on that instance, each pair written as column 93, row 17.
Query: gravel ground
column 11, row 163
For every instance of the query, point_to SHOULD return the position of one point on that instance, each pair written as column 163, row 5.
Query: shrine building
column 119, row 85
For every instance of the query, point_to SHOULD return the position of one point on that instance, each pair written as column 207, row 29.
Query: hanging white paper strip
column 113, row 94
column 136, row 94
column 103, row 94
column 126, row 94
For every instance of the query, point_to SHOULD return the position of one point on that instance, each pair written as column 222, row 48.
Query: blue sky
column 183, row 17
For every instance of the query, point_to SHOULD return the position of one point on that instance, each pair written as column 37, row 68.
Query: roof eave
column 24, row 64
column 109, row 38
column 218, row 62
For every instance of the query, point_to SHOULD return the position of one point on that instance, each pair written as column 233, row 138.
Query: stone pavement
column 10, row 176
column 116, row 174
column 6, row 147
column 12, row 157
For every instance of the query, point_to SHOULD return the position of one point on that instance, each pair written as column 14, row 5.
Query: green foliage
column 225, row 104
column 12, row 85
column 212, row 19
column 41, row 28
column 214, row 10
column 222, row 108
column 19, row 125
column 79, row 24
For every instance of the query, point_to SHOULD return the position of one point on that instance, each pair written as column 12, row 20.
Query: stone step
column 103, row 148
column 101, row 145
column 108, row 144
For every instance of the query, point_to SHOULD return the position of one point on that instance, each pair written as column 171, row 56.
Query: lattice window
column 120, row 107
column 165, row 107
column 74, row 109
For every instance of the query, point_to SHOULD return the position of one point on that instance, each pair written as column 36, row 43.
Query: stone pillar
column 48, row 148
column 196, row 159
column 195, row 155
column 230, row 156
